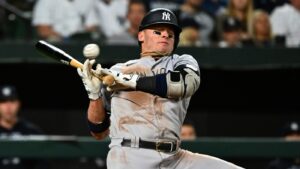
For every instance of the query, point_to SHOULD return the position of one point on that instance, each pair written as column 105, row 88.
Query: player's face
column 188, row 132
column 9, row 110
column 159, row 38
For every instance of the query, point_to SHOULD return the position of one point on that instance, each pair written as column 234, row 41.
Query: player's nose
column 165, row 34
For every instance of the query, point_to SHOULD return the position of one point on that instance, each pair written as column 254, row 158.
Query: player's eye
column 156, row 32
column 171, row 36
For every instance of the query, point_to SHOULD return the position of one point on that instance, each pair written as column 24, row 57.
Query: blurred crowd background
column 205, row 23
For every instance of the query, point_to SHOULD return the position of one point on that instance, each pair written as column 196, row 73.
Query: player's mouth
column 163, row 43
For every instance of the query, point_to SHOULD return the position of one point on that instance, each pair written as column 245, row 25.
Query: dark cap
column 8, row 93
column 231, row 24
column 291, row 128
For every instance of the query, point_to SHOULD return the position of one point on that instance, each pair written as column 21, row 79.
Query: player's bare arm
column 97, row 118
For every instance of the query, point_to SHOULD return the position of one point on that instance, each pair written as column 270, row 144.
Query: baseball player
column 147, row 102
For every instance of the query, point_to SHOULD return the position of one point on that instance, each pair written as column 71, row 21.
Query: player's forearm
column 98, row 120
column 96, row 111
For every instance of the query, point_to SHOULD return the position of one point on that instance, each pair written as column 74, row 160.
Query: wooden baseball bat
column 61, row 56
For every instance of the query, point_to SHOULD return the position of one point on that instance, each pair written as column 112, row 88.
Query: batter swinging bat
column 61, row 56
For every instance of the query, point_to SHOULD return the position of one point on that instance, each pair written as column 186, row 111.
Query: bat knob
column 108, row 80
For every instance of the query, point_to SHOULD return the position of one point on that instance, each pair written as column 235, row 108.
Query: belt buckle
column 157, row 144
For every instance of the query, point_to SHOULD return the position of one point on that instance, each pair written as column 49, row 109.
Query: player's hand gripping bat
column 61, row 56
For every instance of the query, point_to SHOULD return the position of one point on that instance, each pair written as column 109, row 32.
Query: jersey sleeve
column 186, row 60
column 180, row 82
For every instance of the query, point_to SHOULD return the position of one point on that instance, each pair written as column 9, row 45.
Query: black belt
column 161, row 146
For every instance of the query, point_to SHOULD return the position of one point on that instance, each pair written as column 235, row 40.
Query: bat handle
column 76, row 63
column 107, row 80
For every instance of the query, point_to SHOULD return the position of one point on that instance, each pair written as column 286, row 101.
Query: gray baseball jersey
column 136, row 113
column 150, row 117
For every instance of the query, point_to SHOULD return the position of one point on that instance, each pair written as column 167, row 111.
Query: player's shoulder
column 118, row 66
column 183, row 57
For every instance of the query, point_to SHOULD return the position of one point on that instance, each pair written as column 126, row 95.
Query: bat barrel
column 53, row 52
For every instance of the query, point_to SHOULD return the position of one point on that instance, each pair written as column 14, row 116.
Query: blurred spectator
column 136, row 12
column 242, row 10
column 12, row 126
column 188, row 131
column 291, row 132
column 112, row 16
column 231, row 36
column 285, row 22
column 173, row 5
column 190, row 33
column 268, row 5
column 261, row 31
column 192, row 9
column 215, row 6
column 15, row 19
column 57, row 20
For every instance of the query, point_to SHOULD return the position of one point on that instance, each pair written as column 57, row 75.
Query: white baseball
column 91, row 51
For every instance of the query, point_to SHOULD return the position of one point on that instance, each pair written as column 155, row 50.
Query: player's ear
column 141, row 36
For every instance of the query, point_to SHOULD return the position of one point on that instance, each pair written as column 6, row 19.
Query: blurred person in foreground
column 136, row 12
column 11, row 126
column 188, row 131
column 291, row 132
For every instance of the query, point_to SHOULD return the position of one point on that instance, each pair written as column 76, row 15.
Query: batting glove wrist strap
column 122, row 81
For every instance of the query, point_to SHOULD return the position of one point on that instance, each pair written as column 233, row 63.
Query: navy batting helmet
column 162, row 16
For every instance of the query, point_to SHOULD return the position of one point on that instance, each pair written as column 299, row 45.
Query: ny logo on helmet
column 166, row 16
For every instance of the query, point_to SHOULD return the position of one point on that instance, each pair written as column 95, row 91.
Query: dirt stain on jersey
column 118, row 155
column 144, row 107
column 158, row 106
column 140, row 99
column 127, row 120
column 137, row 69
